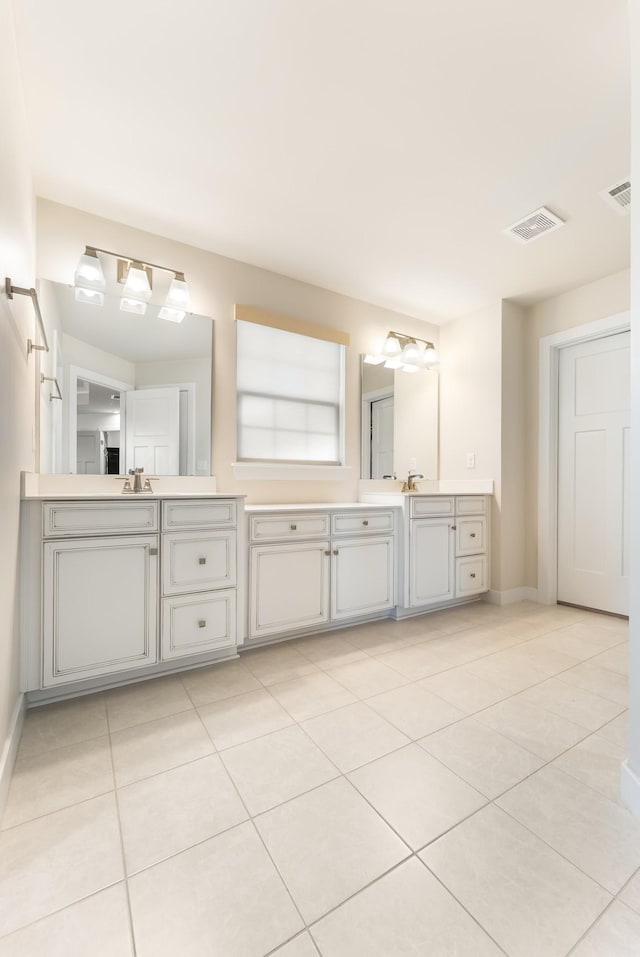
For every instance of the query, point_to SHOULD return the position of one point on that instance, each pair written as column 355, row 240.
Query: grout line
column 122, row 851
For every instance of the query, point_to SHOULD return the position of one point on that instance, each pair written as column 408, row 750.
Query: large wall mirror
column 136, row 390
column 399, row 422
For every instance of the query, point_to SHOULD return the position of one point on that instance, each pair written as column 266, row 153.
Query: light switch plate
column 471, row 460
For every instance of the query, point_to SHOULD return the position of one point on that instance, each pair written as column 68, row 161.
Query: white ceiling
column 374, row 147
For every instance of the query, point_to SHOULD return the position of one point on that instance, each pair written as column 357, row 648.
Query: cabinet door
column 289, row 587
column 362, row 577
column 100, row 607
column 432, row 561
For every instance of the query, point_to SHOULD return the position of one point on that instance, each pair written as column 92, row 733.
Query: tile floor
column 447, row 785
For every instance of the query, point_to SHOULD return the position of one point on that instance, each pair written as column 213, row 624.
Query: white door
column 594, row 474
column 90, row 452
column 362, row 577
column 152, row 430
column 289, row 587
column 382, row 437
column 432, row 561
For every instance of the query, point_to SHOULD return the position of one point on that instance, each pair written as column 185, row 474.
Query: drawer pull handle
column 472, row 535
column 293, row 527
column 202, row 623
column 473, row 574
column 202, row 561
column 365, row 522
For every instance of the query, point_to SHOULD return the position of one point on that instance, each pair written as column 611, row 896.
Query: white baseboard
column 630, row 788
column 512, row 595
column 10, row 749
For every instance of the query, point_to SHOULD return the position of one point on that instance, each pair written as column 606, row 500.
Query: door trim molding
column 548, row 441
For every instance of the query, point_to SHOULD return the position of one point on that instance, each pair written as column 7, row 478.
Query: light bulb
column 137, row 285
column 373, row 360
column 391, row 347
column 393, row 363
column 173, row 315
column 88, row 274
column 178, row 295
column 94, row 296
column 429, row 357
column 411, row 353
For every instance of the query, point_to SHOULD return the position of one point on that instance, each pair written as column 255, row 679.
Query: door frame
column 548, row 410
column 75, row 373
column 386, row 392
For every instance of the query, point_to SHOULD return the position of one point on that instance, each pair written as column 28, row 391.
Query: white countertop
column 314, row 507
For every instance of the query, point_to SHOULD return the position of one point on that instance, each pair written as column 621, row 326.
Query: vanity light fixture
column 137, row 277
column 408, row 353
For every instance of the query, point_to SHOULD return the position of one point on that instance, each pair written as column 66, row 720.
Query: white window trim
column 284, row 472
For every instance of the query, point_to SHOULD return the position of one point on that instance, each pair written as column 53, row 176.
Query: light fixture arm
column 404, row 339
column 131, row 259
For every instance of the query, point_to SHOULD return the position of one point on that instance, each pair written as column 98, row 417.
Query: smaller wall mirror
column 136, row 390
column 399, row 422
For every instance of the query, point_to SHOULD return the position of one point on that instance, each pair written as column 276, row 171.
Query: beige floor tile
column 329, row 651
column 616, row 659
column 243, row 717
column 521, row 667
column 465, row 690
column 581, row 707
column 147, row 749
column 146, row 701
column 222, row 897
column 63, row 723
column 172, row 811
column 595, row 761
column 353, row 735
column 380, row 641
column 582, row 640
column 617, row 730
column 417, row 661
column 616, row 934
column 537, row 731
column 277, row 767
column 482, row 757
column 57, row 860
column 53, row 780
column 277, row 663
column 600, row 681
column 327, row 845
column 414, row 710
column 530, row 900
column 98, row 926
column 595, row 834
column 368, row 677
column 416, row 794
column 407, row 913
column 301, row 946
column 311, row 695
column 205, row 685
column 630, row 894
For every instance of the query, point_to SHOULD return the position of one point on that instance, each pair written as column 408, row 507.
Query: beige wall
column 512, row 500
column 216, row 283
column 596, row 300
column 17, row 371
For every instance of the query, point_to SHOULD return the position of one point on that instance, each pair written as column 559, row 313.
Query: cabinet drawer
column 289, row 526
column 471, row 505
column 195, row 624
column 60, row 519
column 354, row 523
column 197, row 514
column 471, row 576
column 471, row 535
column 423, row 506
column 198, row 561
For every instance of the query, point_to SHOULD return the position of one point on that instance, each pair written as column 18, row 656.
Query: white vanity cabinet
column 100, row 590
column 199, row 576
column 310, row 569
column 114, row 589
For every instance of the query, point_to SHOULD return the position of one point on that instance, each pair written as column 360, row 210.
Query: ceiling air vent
column 535, row 224
column 619, row 196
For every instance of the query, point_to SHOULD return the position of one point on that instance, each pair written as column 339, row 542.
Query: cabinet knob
column 335, row 551
column 202, row 561
column 472, row 535
column 202, row 623
column 293, row 527
column 327, row 553
column 473, row 575
column 453, row 528
column 365, row 522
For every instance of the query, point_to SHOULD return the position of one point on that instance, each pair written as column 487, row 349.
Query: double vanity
column 118, row 588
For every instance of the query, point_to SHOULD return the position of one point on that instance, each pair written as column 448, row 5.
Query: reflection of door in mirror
column 382, row 437
column 152, row 430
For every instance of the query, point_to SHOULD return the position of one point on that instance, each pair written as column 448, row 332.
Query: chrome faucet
column 137, row 479
column 410, row 483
